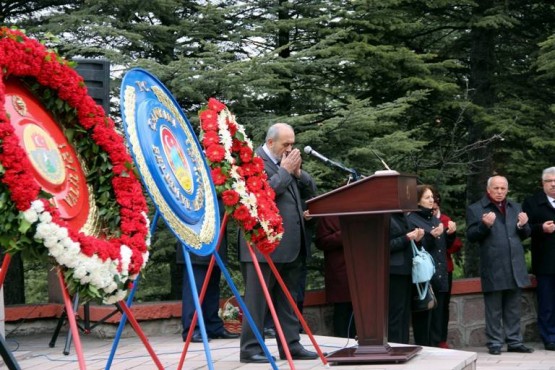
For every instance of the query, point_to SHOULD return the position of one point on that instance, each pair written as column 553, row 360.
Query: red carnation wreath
column 95, row 267
column 239, row 177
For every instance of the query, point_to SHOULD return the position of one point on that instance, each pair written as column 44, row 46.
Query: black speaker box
column 96, row 73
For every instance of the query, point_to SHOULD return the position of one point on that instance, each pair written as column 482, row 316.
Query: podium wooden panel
column 364, row 209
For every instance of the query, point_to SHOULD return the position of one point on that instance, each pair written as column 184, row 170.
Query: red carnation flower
column 245, row 153
column 258, row 164
column 249, row 223
column 218, row 177
column 266, row 247
column 215, row 153
column 236, row 145
column 216, row 105
column 230, row 197
column 241, row 213
column 210, row 138
column 232, row 127
column 249, row 169
column 209, row 120
column 254, row 184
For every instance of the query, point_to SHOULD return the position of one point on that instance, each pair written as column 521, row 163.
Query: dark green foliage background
column 452, row 91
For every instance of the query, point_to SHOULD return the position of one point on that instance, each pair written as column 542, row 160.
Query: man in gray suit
column 498, row 225
column 282, row 164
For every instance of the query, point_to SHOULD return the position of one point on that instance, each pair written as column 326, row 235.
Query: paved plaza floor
column 34, row 352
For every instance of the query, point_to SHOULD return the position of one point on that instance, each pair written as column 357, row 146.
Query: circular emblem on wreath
column 54, row 163
column 170, row 160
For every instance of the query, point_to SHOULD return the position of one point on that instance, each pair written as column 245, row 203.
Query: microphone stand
column 353, row 174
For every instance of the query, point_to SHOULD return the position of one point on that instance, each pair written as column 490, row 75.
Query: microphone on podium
column 308, row 150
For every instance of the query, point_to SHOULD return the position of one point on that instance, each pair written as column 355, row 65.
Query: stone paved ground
column 33, row 352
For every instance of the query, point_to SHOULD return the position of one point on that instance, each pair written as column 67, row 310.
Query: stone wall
column 467, row 319
column 466, row 325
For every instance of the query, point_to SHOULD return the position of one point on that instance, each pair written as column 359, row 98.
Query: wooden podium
column 364, row 209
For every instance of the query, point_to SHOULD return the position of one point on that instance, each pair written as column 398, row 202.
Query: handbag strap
column 422, row 291
column 414, row 248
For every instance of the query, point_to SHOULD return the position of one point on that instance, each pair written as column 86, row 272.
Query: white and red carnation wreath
column 239, row 177
column 96, row 267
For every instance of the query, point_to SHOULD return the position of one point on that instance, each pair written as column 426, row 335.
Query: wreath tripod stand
column 85, row 327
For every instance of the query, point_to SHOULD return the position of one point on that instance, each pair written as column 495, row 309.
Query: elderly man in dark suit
column 498, row 225
column 282, row 164
column 540, row 208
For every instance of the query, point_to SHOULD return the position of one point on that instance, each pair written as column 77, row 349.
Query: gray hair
column 548, row 171
column 273, row 131
column 491, row 179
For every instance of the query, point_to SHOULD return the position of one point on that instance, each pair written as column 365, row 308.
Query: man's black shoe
column 300, row 354
column 197, row 338
column 494, row 350
column 225, row 335
column 255, row 359
column 269, row 333
column 521, row 348
column 550, row 346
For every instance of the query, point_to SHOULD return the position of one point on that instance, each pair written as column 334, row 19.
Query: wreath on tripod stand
column 101, row 264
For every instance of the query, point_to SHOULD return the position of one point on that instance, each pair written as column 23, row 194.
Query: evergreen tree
column 450, row 91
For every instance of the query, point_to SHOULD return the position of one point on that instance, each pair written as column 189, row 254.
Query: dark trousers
column 421, row 327
column 257, row 305
column 343, row 321
column 426, row 325
column 437, row 318
column 445, row 316
column 503, row 317
column 210, row 305
column 545, row 292
column 269, row 322
column 400, row 293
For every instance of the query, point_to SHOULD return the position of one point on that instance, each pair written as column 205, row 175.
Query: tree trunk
column 482, row 68
column 283, row 106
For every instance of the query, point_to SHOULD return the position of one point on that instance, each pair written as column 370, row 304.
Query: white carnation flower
column 239, row 187
column 31, row 215
column 148, row 236
column 61, row 232
column 118, row 296
column 45, row 217
column 79, row 272
column 110, row 288
column 37, row 205
column 52, row 242
column 43, row 231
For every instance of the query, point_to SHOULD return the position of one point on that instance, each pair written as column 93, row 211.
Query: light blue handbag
column 423, row 268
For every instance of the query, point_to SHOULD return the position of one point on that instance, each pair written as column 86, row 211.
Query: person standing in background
column 328, row 239
column 400, row 276
column 540, row 209
column 498, row 225
column 210, row 305
column 427, row 324
column 454, row 245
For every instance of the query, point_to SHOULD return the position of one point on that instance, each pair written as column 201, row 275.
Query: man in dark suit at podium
column 282, row 164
